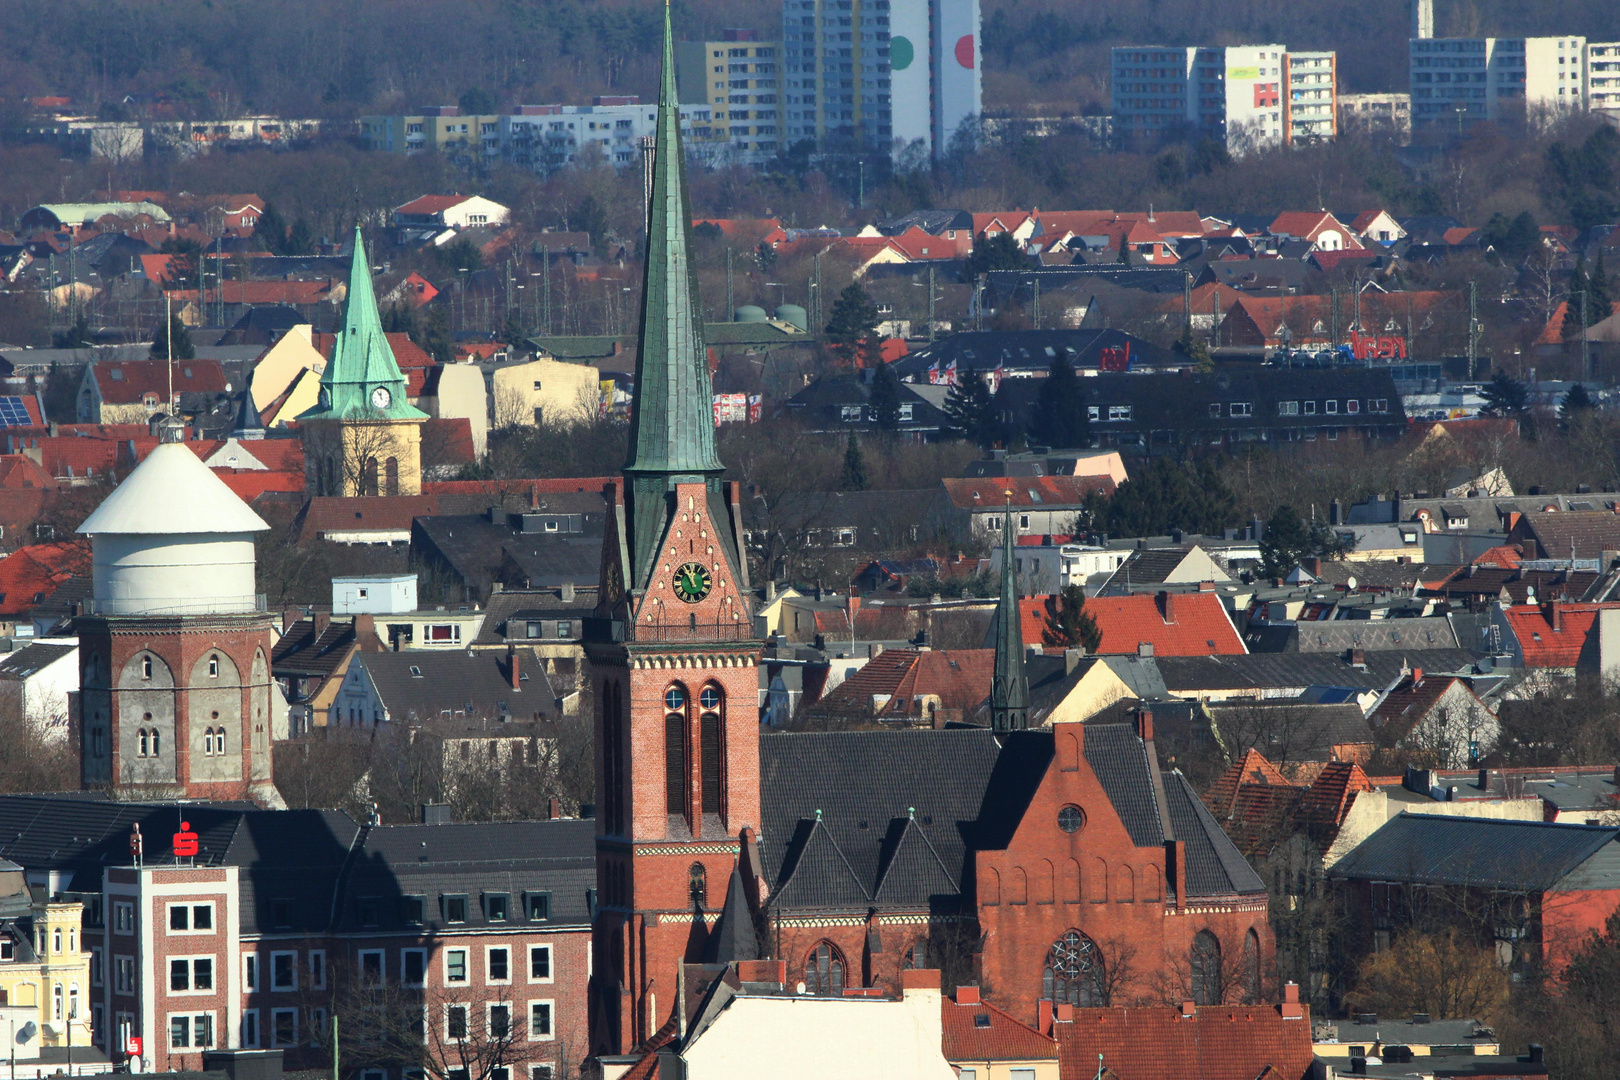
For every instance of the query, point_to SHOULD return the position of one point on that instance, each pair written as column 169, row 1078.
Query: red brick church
column 1056, row 865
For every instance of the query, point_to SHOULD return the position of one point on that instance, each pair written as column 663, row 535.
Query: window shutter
column 711, row 763
column 675, row 764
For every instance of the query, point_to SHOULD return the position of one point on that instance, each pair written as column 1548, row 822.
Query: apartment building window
column 191, row 1030
column 455, row 1022
column 95, row 965
column 497, row 966
column 413, row 967
column 455, row 909
column 539, row 906
column 250, row 1029
column 281, row 914
column 283, row 1027
column 412, row 909
column 250, row 972
column 1378, row 405
column 1242, row 408
column 499, row 1022
column 1287, row 408
column 372, row 972
column 317, row 969
column 283, row 971
column 541, row 1072
column 540, row 1020
column 455, row 965
column 1331, row 408
column 1310, row 408
column 191, row 918
column 495, row 906
column 539, row 963
column 124, row 974
column 1119, row 412
column 191, row 974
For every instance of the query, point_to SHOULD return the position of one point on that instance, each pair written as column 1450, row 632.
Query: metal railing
column 174, row 605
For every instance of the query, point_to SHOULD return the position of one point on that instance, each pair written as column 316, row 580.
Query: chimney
column 1291, row 1009
column 1071, row 660
column 1557, row 617
column 323, row 619
column 365, row 630
column 1167, row 605
column 1187, row 1010
column 553, row 809
column 769, row 972
column 1335, row 512
column 1043, row 1017
column 1358, row 659
column 1144, row 724
column 967, row 995
column 1206, row 586
column 1423, row 18
column 1144, row 648
column 1536, row 1054
column 534, row 497
column 1312, row 565
column 512, row 666
column 1417, row 677
column 568, row 592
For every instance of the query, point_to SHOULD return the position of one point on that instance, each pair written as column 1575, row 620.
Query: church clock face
column 692, row 582
column 380, row 397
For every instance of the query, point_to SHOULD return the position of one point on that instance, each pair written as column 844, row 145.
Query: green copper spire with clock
column 362, row 380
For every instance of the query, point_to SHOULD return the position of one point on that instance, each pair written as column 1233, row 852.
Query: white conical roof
column 172, row 492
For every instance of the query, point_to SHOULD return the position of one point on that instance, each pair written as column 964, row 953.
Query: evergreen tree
column 1060, row 420
column 1600, row 303
column 1163, row 497
column 270, row 231
column 513, row 331
column 1506, row 396
column 1195, row 349
column 884, row 398
column 1289, row 538
column 854, row 466
column 77, row 336
column 1068, row 623
column 972, row 411
column 854, row 319
column 183, row 348
column 1575, row 401
column 300, row 241
column 432, row 334
column 184, row 254
column 999, row 252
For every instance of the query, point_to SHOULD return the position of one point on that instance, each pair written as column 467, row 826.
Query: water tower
column 174, row 644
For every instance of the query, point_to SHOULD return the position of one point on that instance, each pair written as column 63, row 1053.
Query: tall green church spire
column 362, row 381
column 1009, row 689
column 672, row 422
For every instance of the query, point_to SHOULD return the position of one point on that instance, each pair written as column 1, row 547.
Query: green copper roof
column 362, row 360
column 672, row 420
column 1009, row 688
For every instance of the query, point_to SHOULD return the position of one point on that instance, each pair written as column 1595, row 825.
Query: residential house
column 1568, row 534
column 279, row 381
column 37, row 684
column 309, row 662
column 1162, row 624
column 551, row 622
column 1041, row 505
column 1193, row 1040
column 456, row 392
column 842, row 403
column 31, row 575
column 1150, row 568
column 277, row 911
column 1377, row 227
column 557, row 542
column 448, row 212
column 1557, row 643
column 1324, row 231
column 415, row 687
column 1313, row 322
column 984, row 1043
column 1539, row 889
column 1436, row 720
column 49, row 977
column 1159, row 413
column 912, row 686
column 545, row 391
column 132, row 392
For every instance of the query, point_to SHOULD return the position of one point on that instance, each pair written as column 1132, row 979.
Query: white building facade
column 1234, row 95
column 1465, row 80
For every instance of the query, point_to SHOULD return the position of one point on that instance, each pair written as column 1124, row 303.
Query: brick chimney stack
column 512, row 666
column 1167, row 604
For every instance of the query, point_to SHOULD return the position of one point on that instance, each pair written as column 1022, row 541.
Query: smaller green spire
column 362, row 381
column 1009, row 688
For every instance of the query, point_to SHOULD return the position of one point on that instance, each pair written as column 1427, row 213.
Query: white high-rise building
column 1232, row 94
column 1464, row 80
column 1310, row 96
column 1603, row 77
column 887, row 74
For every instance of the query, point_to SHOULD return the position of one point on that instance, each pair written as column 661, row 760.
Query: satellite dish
column 1350, row 583
column 26, row 1032
column 1530, row 595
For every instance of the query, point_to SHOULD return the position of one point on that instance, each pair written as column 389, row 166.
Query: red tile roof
column 295, row 293
column 1505, row 556
column 449, row 439
column 524, row 488
column 1158, row 1043
column 368, row 513
column 1545, row 647
column 431, row 204
column 959, row 678
column 29, row 575
column 1251, row 768
column 407, row 353
column 1328, row 799
column 127, row 382
column 978, row 1031
column 979, row 493
column 1199, row 624
column 21, row 471
column 249, row 484
column 878, row 677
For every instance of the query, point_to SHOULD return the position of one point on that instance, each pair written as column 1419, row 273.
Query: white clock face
column 380, row 397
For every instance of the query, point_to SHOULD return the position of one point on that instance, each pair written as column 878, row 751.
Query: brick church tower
column 672, row 653
column 174, row 646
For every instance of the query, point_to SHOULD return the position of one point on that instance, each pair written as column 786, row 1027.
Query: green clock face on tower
column 692, row 582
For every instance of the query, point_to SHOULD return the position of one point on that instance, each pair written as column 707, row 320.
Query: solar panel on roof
column 14, row 413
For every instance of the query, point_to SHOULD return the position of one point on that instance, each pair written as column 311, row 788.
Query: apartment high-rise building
column 1466, row 80
column 1310, row 96
column 888, row 74
column 740, row 78
column 1603, row 77
column 1233, row 94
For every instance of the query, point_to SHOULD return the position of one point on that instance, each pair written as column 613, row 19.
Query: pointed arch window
column 145, row 743
column 391, row 476
column 1073, row 974
column 711, row 747
column 369, row 484
column 1206, row 969
column 675, row 750
column 824, row 971
column 146, row 667
column 1251, row 968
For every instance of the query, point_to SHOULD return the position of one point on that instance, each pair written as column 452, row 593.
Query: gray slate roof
column 1522, row 856
column 31, row 659
column 1215, row 867
column 1185, row 674
column 422, row 684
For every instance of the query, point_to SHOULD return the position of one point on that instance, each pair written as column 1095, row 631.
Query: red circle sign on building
column 185, row 842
